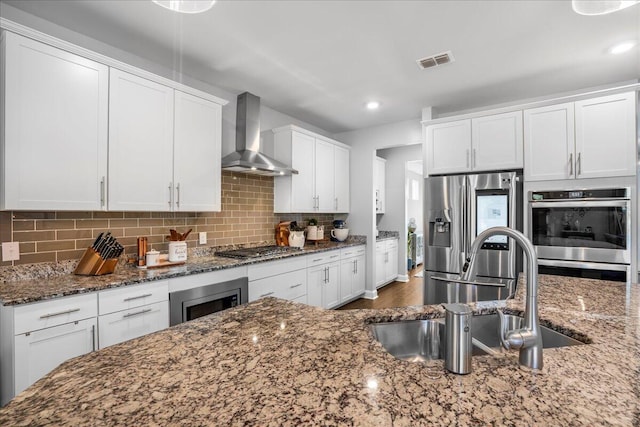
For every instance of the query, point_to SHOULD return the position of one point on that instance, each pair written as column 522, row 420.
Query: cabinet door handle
column 137, row 297
column 473, row 156
column 579, row 165
column 570, row 164
column 468, row 157
column 102, row 192
column 178, row 195
column 267, row 294
column 93, row 337
column 46, row 316
column 146, row 310
column 355, row 266
column 170, row 191
column 318, row 198
column 336, row 203
column 295, row 286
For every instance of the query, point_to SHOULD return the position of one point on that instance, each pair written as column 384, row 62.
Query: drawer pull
column 146, row 310
column 317, row 260
column 138, row 297
column 46, row 316
column 296, row 286
column 267, row 294
column 334, row 256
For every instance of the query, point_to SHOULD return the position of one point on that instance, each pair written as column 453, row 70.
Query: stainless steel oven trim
column 585, row 265
column 214, row 291
column 582, row 254
column 617, row 203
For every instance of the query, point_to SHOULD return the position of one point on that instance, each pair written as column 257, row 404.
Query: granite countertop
column 386, row 235
column 278, row 363
column 56, row 286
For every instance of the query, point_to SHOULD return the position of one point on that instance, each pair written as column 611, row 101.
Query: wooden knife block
column 92, row 264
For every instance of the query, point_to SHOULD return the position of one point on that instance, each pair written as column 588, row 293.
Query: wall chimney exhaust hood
column 247, row 157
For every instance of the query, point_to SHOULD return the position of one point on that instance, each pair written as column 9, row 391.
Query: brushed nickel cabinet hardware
column 137, row 297
column 46, row 316
column 102, row 192
column 146, row 310
column 570, row 164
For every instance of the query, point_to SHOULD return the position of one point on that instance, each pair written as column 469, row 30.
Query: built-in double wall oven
column 584, row 233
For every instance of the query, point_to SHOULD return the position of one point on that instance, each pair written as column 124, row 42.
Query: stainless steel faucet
column 528, row 338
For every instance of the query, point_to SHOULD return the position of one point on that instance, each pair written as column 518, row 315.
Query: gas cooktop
column 257, row 252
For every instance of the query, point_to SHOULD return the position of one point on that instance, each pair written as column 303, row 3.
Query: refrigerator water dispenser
column 440, row 229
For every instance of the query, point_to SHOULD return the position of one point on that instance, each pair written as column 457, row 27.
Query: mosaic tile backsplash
column 246, row 217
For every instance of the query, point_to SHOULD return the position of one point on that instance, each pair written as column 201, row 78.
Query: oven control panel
column 601, row 193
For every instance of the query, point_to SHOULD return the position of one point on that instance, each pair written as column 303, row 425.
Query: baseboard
column 370, row 294
column 402, row 278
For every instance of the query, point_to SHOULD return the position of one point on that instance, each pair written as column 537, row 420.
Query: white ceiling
column 321, row 61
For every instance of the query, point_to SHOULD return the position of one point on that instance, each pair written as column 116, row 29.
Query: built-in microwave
column 196, row 302
column 582, row 230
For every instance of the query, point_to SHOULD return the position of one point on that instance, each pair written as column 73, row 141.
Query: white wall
column 364, row 144
column 395, row 217
column 414, row 207
column 269, row 118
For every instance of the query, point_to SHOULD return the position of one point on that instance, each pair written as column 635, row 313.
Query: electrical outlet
column 202, row 237
column 10, row 251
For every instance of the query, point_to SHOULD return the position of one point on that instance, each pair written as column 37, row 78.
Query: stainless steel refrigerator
column 456, row 209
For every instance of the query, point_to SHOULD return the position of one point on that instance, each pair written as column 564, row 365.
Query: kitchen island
column 274, row 362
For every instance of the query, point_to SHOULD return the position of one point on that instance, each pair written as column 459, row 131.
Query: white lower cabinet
column 124, row 325
column 324, row 285
column 36, row 338
column 386, row 261
column 291, row 285
column 132, row 311
column 38, row 353
column 352, row 273
column 286, row 279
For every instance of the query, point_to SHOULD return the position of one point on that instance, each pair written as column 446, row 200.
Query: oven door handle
column 581, row 204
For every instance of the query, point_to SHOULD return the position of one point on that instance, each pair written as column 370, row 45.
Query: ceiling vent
column 435, row 60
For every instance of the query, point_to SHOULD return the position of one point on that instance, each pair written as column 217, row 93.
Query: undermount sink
column 486, row 330
column 422, row 340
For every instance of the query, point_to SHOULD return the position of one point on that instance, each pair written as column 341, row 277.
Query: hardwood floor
column 396, row 294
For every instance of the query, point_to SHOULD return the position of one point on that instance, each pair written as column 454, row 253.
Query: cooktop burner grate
column 258, row 252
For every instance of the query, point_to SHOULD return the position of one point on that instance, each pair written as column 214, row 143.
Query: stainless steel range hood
column 247, row 158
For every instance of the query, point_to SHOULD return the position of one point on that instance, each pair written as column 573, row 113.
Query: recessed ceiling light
column 600, row 7
column 622, row 47
column 373, row 105
column 186, row 6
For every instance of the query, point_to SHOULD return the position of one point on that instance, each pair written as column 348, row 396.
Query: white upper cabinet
column 449, row 147
column 341, row 162
column 79, row 135
column 548, row 141
column 472, row 145
column 54, row 128
column 593, row 138
column 322, row 182
column 164, row 148
column 296, row 193
column 197, row 150
column 496, row 142
column 140, row 144
column 325, row 176
column 606, row 136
